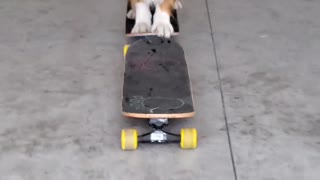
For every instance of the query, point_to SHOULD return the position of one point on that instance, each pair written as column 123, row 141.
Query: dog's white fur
column 161, row 24
column 143, row 18
column 141, row 13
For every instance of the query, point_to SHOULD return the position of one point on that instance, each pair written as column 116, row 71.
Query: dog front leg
column 142, row 17
column 162, row 25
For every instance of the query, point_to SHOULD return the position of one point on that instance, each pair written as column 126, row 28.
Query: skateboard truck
column 187, row 137
column 158, row 123
column 158, row 135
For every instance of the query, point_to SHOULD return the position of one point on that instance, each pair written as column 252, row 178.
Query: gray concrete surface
column 60, row 88
column 269, row 60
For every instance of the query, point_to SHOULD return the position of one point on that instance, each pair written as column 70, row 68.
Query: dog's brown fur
column 166, row 5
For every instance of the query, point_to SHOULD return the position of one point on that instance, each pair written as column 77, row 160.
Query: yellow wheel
column 129, row 139
column 189, row 138
column 125, row 49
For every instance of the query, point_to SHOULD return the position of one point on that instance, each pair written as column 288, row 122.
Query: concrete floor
column 60, row 90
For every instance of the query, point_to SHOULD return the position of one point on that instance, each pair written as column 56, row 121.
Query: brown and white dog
column 161, row 20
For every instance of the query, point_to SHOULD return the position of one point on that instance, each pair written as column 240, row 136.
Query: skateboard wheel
column 189, row 138
column 129, row 139
column 125, row 49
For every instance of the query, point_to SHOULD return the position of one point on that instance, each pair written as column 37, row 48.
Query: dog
column 161, row 26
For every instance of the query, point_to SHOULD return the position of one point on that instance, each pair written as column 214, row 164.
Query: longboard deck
column 131, row 22
column 156, row 80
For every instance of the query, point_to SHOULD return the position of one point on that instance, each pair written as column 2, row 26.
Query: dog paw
column 141, row 28
column 162, row 25
column 142, row 18
column 131, row 14
column 162, row 29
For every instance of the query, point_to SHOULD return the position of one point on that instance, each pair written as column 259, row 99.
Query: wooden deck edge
column 165, row 116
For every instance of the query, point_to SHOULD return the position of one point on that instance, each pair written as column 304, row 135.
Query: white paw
column 162, row 25
column 162, row 29
column 141, row 28
column 143, row 18
column 131, row 14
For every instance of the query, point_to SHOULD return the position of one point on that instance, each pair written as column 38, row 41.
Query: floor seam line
column 221, row 91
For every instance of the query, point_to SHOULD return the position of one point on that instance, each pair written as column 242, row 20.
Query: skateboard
column 131, row 22
column 156, row 87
